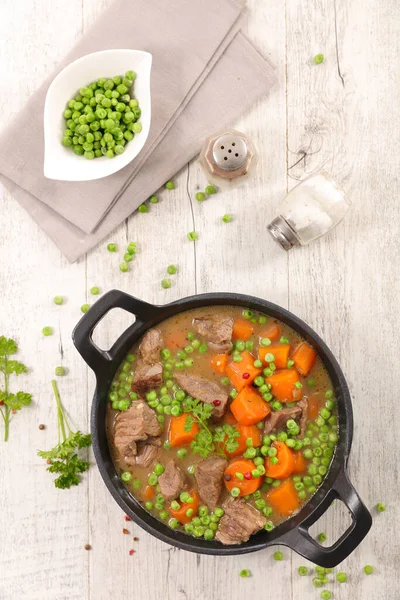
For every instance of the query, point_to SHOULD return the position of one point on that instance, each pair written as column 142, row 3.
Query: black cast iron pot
column 294, row 531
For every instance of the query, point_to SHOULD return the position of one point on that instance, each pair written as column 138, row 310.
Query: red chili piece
column 131, row 551
column 125, row 531
column 247, row 475
column 127, row 518
column 246, row 375
column 1, row 402
column 216, row 402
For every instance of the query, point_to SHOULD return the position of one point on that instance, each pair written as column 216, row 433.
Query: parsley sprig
column 64, row 457
column 11, row 402
column 207, row 442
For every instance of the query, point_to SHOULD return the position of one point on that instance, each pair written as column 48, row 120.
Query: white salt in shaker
column 309, row 211
column 228, row 158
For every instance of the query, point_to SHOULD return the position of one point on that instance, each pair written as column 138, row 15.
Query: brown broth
column 175, row 329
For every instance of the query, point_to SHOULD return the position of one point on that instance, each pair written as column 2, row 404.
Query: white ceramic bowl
column 61, row 162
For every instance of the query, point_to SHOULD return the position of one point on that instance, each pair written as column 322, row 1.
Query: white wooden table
column 342, row 115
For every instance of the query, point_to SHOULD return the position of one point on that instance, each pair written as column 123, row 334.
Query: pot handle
column 300, row 540
column 96, row 358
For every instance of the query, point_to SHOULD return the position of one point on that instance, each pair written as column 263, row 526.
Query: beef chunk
column 303, row 406
column 147, row 377
column 204, row 390
column 146, row 455
column 172, row 481
column 137, row 423
column 209, row 477
column 239, row 522
column 150, row 346
column 277, row 420
column 217, row 330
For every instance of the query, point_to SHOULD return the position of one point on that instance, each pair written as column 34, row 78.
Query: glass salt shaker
column 311, row 209
column 228, row 158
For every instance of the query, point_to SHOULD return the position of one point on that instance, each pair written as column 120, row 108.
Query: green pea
column 200, row 196
column 126, row 476
column 159, row 469
column 152, row 479
column 46, row 331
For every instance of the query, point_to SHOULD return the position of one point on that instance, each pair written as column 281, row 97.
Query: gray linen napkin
column 184, row 46
column 238, row 78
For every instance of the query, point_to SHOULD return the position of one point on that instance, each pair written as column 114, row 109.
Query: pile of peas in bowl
column 102, row 118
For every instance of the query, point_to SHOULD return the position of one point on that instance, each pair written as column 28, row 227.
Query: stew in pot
column 222, row 422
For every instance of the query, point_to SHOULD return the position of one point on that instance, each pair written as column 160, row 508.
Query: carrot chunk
column 273, row 332
column 242, row 329
column 314, row 404
column 218, row 362
column 228, row 418
column 249, row 408
column 246, row 432
column 283, row 385
column 180, row 513
column 148, row 492
column 284, row 498
column 304, row 358
column 242, row 373
column 280, row 354
column 285, row 465
column 176, row 340
column 177, row 435
column 248, row 484
column 300, row 463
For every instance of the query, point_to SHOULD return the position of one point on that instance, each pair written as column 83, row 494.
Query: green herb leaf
column 188, row 423
column 18, row 400
column 64, row 456
column 7, row 346
column 11, row 402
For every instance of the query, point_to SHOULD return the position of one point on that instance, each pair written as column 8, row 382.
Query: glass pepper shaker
column 228, row 158
column 311, row 209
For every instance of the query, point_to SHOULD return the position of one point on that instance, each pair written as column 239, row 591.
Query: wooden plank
column 340, row 114
column 343, row 285
column 43, row 529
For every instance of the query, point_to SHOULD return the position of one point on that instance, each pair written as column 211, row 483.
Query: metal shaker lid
column 282, row 233
column 230, row 151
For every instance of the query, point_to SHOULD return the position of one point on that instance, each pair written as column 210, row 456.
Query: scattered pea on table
column 245, row 573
